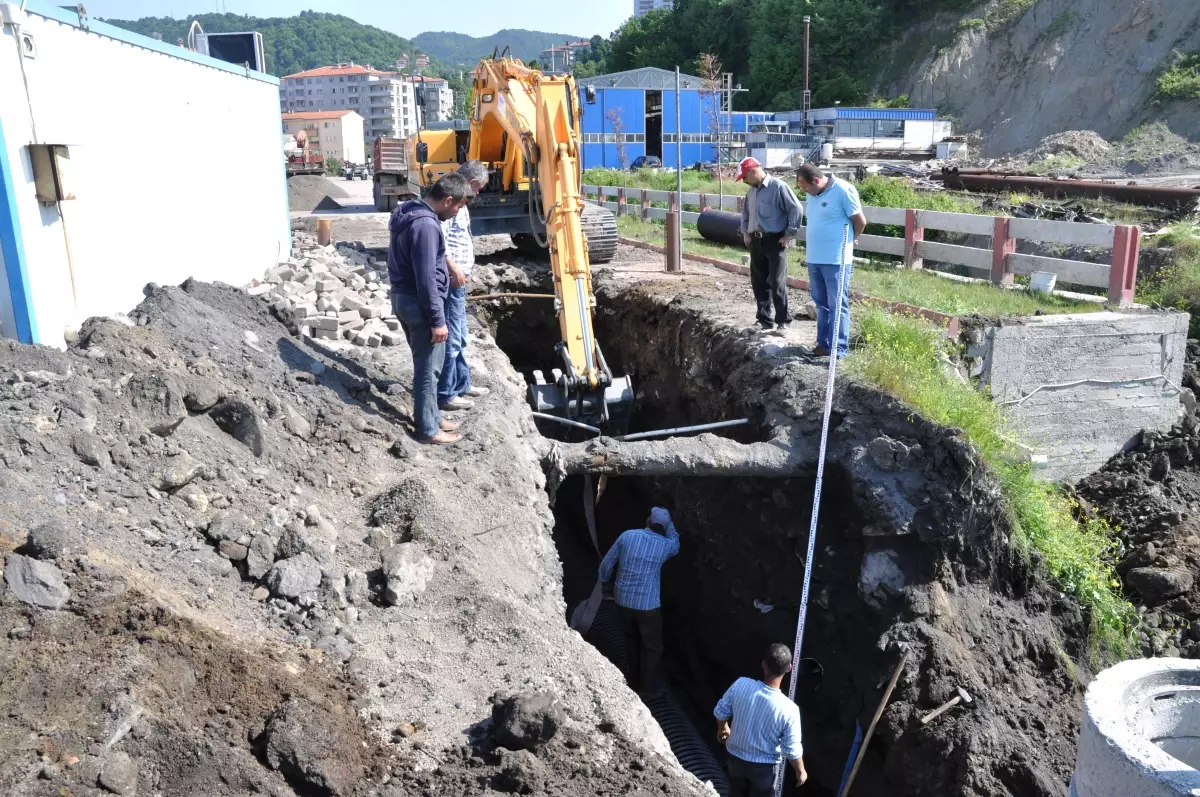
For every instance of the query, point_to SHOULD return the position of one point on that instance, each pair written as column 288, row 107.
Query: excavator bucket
column 607, row 408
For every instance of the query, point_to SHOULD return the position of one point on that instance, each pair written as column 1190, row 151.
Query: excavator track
column 599, row 227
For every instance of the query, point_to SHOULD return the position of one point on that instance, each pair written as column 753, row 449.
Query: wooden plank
column 1063, row 232
column 884, row 215
column 976, row 259
column 968, row 223
column 1075, row 272
column 881, row 244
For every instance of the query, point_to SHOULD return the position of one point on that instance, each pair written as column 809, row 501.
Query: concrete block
column 326, row 304
column 374, row 340
column 371, row 311
column 324, row 322
column 302, row 311
column 361, row 337
column 311, row 297
column 260, row 290
column 351, row 301
column 355, row 324
column 328, row 284
column 326, row 334
column 346, row 316
column 392, row 338
column 393, row 324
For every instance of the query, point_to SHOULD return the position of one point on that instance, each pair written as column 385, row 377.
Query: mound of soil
column 307, row 192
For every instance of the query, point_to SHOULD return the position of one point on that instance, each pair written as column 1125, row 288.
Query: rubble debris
column 526, row 720
column 316, row 750
column 241, row 422
column 119, row 774
column 407, row 570
column 53, row 539
column 294, row 576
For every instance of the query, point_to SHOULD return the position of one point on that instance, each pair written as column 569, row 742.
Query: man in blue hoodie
column 420, row 283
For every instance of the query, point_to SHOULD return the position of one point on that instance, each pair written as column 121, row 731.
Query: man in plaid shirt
column 454, row 386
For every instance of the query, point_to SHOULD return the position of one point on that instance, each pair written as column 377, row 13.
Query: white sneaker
column 457, row 403
column 477, row 392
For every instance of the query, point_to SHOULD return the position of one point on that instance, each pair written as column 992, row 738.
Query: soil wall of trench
column 912, row 554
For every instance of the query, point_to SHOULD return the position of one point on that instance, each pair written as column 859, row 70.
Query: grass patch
column 902, row 356
column 882, row 280
column 1181, row 81
column 1177, row 284
column 655, row 180
column 1056, row 163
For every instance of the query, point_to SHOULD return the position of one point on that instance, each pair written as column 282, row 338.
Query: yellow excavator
column 525, row 127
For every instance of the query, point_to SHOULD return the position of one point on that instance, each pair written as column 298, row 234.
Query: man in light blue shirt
column 835, row 219
column 765, row 727
column 638, row 556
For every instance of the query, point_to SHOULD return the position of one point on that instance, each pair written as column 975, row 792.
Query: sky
column 406, row 17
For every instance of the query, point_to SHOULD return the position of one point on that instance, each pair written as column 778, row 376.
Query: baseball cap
column 660, row 516
column 746, row 165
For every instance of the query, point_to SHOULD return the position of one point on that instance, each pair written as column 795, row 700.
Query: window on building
column 855, row 128
column 889, row 128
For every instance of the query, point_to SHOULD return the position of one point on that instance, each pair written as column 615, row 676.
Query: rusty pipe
column 1063, row 189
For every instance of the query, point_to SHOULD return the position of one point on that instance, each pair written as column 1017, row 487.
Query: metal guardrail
column 999, row 263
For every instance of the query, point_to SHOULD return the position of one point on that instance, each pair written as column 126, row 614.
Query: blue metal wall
column 632, row 102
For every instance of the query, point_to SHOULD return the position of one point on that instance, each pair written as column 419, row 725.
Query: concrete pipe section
column 1141, row 731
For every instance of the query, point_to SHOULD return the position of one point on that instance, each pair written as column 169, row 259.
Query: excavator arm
column 527, row 124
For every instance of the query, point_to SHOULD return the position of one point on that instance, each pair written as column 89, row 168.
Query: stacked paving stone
column 331, row 293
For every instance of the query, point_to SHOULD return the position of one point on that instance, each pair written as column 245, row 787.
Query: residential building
column 560, row 58
column 643, row 7
column 435, row 99
column 335, row 134
column 385, row 100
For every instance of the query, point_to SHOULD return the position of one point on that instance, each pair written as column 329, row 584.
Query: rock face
column 291, row 578
column 36, row 583
column 524, row 721
column 1159, row 584
column 317, row 751
column 52, row 540
column 407, row 570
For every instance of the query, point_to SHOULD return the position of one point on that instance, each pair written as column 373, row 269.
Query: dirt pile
column 1150, row 150
column 307, row 192
column 264, row 586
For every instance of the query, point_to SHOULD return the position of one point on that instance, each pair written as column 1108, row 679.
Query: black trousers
column 750, row 780
column 643, row 648
column 768, row 277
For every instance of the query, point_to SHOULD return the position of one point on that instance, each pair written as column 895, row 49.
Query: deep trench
column 743, row 540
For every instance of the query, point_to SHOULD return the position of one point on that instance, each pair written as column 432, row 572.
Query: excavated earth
column 233, row 571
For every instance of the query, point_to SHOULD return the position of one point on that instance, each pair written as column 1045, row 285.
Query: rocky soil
column 1150, row 150
column 228, row 570
column 308, row 192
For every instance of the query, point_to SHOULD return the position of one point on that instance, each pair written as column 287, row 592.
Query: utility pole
column 679, row 157
column 806, row 102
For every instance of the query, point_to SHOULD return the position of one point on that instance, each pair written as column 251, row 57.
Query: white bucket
column 1042, row 281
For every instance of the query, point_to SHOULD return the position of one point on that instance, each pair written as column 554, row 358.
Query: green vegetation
column 459, row 49
column 971, row 24
column 292, row 44
column 1062, row 24
column 654, row 180
column 1056, row 163
column 884, row 192
column 896, row 102
column 1007, row 13
column 1181, row 81
column 333, row 167
column 881, row 279
column 902, row 356
column 1177, row 283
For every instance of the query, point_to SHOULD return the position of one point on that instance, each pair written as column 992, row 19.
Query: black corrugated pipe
column 721, row 227
column 607, row 635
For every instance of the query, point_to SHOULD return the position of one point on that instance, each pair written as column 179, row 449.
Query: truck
column 299, row 159
column 389, row 157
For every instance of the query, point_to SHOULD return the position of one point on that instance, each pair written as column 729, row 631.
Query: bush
column 904, row 356
column 333, row 166
column 1007, row 13
column 1177, row 284
column 1181, row 81
column 888, row 192
column 971, row 24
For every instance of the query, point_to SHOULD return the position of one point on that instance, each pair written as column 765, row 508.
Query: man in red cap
column 770, row 222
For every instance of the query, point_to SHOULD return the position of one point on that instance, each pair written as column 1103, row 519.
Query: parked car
column 646, row 162
column 353, row 170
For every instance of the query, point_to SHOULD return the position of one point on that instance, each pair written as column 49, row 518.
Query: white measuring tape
column 812, row 528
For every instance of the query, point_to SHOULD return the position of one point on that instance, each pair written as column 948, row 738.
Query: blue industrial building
column 644, row 102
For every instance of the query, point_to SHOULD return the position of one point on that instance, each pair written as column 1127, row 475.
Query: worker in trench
column 759, row 725
column 455, row 391
column 637, row 557
column 835, row 220
column 420, row 283
column 770, row 222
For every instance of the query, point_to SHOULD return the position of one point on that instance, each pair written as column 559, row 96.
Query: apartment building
column 643, row 7
column 335, row 134
column 560, row 58
column 435, row 98
column 385, row 100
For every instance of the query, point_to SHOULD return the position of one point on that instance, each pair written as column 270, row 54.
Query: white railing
column 999, row 262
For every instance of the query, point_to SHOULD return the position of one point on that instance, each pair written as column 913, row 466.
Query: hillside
column 458, row 49
column 1020, row 71
column 292, row 44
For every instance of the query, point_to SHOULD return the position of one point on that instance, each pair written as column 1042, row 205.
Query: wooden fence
column 999, row 263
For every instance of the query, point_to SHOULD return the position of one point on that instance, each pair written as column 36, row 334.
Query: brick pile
column 331, row 293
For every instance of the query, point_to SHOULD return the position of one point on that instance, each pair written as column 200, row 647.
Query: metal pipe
column 566, row 421
column 486, row 296
column 721, row 227
column 683, row 430
column 1136, row 194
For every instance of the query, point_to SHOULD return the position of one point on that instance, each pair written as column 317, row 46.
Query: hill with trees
column 293, row 44
column 458, row 49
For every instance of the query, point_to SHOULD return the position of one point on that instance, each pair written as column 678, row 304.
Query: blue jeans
column 428, row 358
column 456, row 377
column 823, row 285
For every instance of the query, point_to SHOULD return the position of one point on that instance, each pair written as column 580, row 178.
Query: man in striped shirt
column 638, row 556
column 766, row 725
column 454, row 389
